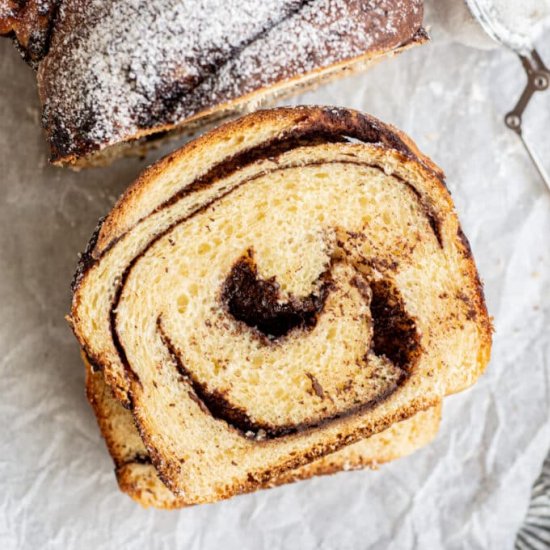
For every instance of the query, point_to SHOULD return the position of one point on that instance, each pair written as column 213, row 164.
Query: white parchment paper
column 469, row 489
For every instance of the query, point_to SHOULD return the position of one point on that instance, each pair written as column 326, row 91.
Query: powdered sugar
column 117, row 67
column 515, row 23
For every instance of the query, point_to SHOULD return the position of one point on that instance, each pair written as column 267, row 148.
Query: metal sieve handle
column 538, row 80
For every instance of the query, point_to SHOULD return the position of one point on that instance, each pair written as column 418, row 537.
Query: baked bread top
column 277, row 289
column 111, row 72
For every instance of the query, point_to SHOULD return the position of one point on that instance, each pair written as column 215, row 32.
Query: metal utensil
column 538, row 75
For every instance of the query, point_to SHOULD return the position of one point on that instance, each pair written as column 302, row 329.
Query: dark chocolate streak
column 257, row 302
column 139, row 458
column 394, row 331
column 86, row 260
column 433, row 220
column 220, row 408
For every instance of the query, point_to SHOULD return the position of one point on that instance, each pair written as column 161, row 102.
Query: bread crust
column 382, row 139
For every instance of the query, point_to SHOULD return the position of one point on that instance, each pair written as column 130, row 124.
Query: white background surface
column 469, row 489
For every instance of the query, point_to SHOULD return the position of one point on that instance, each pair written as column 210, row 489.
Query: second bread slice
column 138, row 478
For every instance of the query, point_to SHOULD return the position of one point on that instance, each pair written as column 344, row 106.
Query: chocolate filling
column 138, row 458
column 86, row 260
column 257, row 302
column 394, row 331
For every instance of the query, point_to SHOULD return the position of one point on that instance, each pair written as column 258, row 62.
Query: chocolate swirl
column 257, row 304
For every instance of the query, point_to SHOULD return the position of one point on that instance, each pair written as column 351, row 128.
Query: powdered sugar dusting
column 321, row 34
column 117, row 67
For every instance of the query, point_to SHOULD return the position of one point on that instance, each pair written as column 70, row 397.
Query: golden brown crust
column 397, row 441
column 142, row 484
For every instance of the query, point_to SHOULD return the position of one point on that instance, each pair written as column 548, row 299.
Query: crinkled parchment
column 469, row 489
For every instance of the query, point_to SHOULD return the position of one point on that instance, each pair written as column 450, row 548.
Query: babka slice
column 138, row 478
column 275, row 290
column 113, row 76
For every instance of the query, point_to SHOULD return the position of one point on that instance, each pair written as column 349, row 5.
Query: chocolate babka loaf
column 277, row 289
column 138, row 478
column 115, row 75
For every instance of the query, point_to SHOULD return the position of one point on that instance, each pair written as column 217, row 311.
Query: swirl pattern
column 277, row 289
